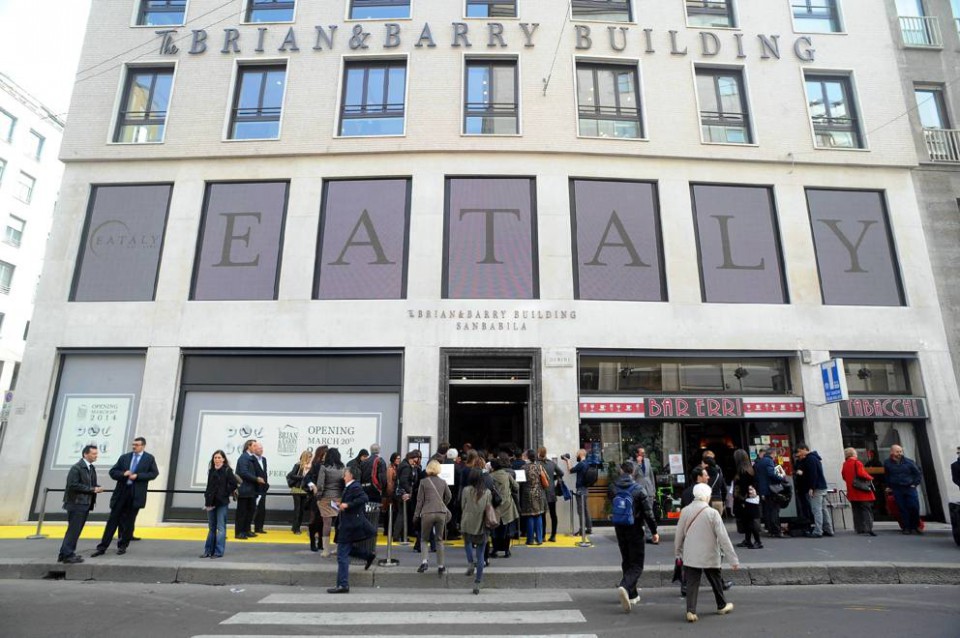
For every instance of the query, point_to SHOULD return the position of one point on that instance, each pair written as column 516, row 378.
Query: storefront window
column 876, row 376
column 632, row 375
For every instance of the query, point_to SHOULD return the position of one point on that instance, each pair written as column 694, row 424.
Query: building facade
column 30, row 175
column 585, row 224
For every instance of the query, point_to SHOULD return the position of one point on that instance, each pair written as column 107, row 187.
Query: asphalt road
column 51, row 609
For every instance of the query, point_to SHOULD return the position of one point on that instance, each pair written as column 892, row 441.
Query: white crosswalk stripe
column 369, row 635
column 419, row 618
column 491, row 597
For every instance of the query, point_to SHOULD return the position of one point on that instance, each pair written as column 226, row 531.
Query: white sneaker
column 624, row 599
column 726, row 609
column 635, row 601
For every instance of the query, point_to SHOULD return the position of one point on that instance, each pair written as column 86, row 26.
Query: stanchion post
column 43, row 510
column 406, row 536
column 583, row 522
column 573, row 507
column 389, row 561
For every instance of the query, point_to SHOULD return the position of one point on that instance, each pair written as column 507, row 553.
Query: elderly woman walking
column 432, row 499
column 702, row 543
column 860, row 492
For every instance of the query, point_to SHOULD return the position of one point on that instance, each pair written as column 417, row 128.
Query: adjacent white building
column 578, row 224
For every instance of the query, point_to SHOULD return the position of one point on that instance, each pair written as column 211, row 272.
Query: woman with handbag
column 221, row 484
column 746, row 501
column 432, row 499
column 860, row 492
column 300, row 500
column 479, row 516
column 554, row 475
column 507, row 485
column 532, row 500
column 315, row 524
column 328, row 487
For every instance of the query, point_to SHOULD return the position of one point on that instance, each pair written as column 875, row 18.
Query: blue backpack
column 623, row 506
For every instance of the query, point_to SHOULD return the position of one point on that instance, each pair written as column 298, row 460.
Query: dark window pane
column 270, row 10
column 161, row 12
column 606, row 10
column 379, row 9
column 146, row 100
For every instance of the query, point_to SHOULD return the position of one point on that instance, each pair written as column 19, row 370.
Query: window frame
column 489, row 3
column 837, row 16
column 940, row 99
column 845, row 76
column 240, row 66
column 731, row 12
column 16, row 243
column 369, row 62
column 744, row 94
column 140, row 12
column 124, row 96
column 350, row 6
column 33, row 186
column 250, row 8
column 493, row 60
column 3, row 169
column 631, row 13
column 5, row 267
column 40, row 141
column 13, row 127
column 597, row 63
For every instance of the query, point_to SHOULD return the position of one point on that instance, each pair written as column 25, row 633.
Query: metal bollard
column 573, row 507
column 43, row 510
column 389, row 561
column 406, row 536
column 583, row 521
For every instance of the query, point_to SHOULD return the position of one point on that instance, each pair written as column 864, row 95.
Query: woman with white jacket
column 702, row 543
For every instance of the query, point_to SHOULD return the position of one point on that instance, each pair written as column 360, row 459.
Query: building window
column 943, row 144
column 269, row 11
column 7, row 124
column 833, row 112
column 608, row 101
column 14, row 232
column 155, row 13
column 25, row 188
column 710, row 13
column 143, row 114
column 724, row 117
column 373, row 98
column 816, row 16
column 35, row 149
column 606, row 10
column 3, row 165
column 611, row 374
column 379, row 9
column 491, row 8
column 258, row 102
column 2, row 317
column 6, row 277
column 876, row 376
column 917, row 29
column 490, row 101
column 16, row 372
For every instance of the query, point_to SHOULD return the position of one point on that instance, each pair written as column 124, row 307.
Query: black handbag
column 863, row 484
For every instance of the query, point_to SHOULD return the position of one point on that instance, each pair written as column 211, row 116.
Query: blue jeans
column 216, row 531
column 909, row 505
column 534, row 529
column 481, row 550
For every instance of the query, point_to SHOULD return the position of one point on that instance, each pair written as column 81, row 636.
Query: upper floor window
column 606, row 10
column 6, row 277
column 608, row 101
column 490, row 102
column 710, row 13
column 157, row 13
column 269, row 11
column 379, row 9
column 258, row 102
column 931, row 107
column 3, row 165
column 833, row 112
column 491, row 8
column 35, row 142
column 724, row 116
column 876, row 376
column 25, row 186
column 816, row 16
column 373, row 98
column 7, row 124
column 638, row 374
column 14, row 232
column 143, row 111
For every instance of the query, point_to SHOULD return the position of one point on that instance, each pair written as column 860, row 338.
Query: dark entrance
column 721, row 437
column 489, row 417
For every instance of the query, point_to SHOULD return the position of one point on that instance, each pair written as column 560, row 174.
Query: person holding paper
column 353, row 527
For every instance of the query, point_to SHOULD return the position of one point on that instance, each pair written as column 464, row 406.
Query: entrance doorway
column 489, row 417
column 721, row 437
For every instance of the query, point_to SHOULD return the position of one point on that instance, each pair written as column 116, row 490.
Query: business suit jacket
column 146, row 471
column 79, row 495
column 353, row 525
column 248, row 469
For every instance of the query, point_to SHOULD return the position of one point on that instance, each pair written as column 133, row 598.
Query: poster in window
column 617, row 241
column 122, row 243
column 241, row 241
column 101, row 420
column 490, row 249
column 738, row 243
column 855, row 254
column 363, row 240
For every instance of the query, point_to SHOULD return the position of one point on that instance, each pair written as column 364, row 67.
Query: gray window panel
column 379, row 9
column 363, row 240
column 491, row 8
column 491, row 242
column 607, row 10
column 855, row 254
column 618, row 247
column 122, row 243
column 6, row 277
column 161, row 12
column 241, row 241
column 269, row 11
column 7, row 125
column 710, row 13
column 738, row 242
column 816, row 16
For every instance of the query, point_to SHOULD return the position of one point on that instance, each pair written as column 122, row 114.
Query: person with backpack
column 587, row 473
column 631, row 509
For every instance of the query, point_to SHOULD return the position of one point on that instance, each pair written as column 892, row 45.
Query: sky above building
column 40, row 43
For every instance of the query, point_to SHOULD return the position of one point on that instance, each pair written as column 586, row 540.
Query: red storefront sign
column 884, row 408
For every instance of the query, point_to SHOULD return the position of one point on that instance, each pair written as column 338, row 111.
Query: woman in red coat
column 860, row 500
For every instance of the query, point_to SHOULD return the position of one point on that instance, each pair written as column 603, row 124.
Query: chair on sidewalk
column 837, row 500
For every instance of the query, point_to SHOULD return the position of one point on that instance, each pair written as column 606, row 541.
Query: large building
column 30, row 172
column 579, row 224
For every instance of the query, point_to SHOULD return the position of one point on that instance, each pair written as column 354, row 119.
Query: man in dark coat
column 262, row 487
column 815, row 490
column 251, row 475
column 373, row 475
column 132, row 472
column 630, row 537
column 408, row 482
column 955, row 469
column 79, row 499
column 352, row 527
column 903, row 477
column 767, row 475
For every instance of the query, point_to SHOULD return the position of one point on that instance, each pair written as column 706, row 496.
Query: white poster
column 101, row 420
column 447, row 473
column 676, row 463
column 521, row 475
column 284, row 436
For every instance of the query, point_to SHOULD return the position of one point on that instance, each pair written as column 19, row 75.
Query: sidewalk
column 170, row 555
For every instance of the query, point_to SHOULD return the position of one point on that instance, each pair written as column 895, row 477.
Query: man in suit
column 250, row 473
column 262, row 487
column 78, row 500
column 132, row 472
column 352, row 527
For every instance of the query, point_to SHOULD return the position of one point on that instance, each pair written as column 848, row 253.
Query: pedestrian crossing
column 405, row 613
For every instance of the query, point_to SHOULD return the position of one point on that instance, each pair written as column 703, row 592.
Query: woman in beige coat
column 702, row 543
column 432, row 499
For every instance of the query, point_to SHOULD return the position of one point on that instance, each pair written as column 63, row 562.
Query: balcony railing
column 943, row 145
column 956, row 24
column 923, row 31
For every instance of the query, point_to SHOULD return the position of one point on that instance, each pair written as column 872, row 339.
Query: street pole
column 389, row 561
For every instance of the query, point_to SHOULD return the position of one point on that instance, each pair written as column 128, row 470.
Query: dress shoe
column 727, row 584
column 251, row 535
column 441, row 570
column 757, row 546
column 207, row 555
column 422, row 568
column 370, row 559
column 216, row 556
column 552, row 539
column 241, row 537
column 507, row 554
column 98, row 552
column 745, row 544
column 70, row 560
column 828, row 534
column 135, row 538
column 338, row 590
column 260, row 531
column 872, row 533
column 122, row 550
